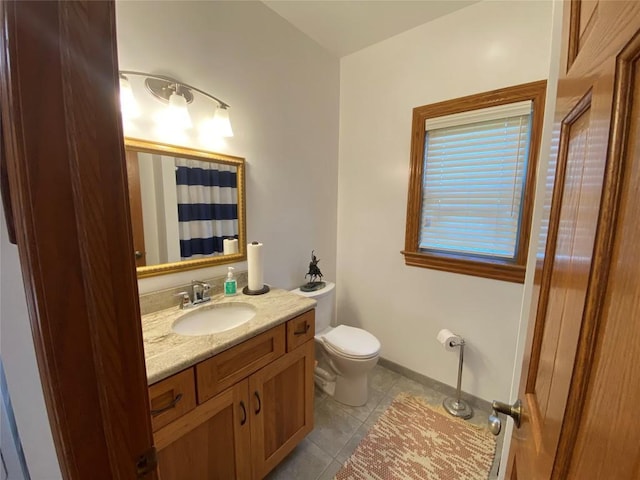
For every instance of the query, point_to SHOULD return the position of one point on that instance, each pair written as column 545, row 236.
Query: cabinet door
column 281, row 396
column 210, row 442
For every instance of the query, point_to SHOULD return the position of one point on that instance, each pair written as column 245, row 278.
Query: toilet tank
column 324, row 308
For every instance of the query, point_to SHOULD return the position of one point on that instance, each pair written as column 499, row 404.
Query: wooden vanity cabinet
column 245, row 430
column 282, row 394
column 210, row 442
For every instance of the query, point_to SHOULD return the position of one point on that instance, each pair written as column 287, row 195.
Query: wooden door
column 211, row 442
column 282, row 407
column 135, row 207
column 579, row 386
column 66, row 175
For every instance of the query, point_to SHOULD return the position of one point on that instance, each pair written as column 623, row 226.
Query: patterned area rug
column 411, row 440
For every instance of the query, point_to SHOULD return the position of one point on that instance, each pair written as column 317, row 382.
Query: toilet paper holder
column 456, row 406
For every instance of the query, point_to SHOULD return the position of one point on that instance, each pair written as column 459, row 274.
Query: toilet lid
column 352, row 341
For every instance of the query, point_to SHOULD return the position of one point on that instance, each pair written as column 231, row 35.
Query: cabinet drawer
column 229, row 367
column 300, row 329
column 172, row 398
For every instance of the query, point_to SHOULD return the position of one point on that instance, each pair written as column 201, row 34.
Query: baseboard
column 475, row 402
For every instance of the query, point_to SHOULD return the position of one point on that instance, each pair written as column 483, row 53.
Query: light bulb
column 217, row 126
column 128, row 104
column 178, row 111
column 175, row 116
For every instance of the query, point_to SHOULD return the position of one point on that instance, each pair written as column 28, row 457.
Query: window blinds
column 473, row 184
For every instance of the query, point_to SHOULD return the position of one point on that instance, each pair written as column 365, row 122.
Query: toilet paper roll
column 446, row 338
column 255, row 266
column 229, row 246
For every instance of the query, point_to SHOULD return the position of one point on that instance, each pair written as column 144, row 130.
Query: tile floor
column 340, row 428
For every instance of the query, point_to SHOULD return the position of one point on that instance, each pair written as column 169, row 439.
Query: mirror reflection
column 187, row 207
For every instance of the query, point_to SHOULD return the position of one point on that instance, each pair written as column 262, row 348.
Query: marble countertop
column 167, row 352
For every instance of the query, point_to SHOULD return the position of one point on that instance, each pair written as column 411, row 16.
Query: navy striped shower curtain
column 207, row 206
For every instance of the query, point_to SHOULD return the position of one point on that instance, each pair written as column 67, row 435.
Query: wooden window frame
column 494, row 268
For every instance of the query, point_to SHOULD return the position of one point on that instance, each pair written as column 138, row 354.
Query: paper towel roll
column 255, row 266
column 446, row 337
column 229, row 246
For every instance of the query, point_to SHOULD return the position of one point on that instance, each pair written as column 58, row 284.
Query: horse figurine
column 314, row 274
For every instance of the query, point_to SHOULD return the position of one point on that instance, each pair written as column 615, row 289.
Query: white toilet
column 345, row 354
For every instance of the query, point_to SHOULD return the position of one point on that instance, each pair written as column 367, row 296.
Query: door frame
column 65, row 167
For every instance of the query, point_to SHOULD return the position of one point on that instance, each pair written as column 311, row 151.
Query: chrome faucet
column 200, row 292
column 185, row 300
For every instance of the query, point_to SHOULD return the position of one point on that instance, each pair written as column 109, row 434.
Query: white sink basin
column 213, row 319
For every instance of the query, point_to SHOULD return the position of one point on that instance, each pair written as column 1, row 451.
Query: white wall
column 284, row 95
column 19, row 359
column 483, row 47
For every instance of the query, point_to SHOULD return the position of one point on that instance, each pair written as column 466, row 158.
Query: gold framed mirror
column 187, row 207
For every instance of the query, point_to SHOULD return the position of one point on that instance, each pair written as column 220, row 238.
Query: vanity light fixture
column 177, row 95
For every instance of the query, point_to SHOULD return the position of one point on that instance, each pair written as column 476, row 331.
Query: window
column 473, row 163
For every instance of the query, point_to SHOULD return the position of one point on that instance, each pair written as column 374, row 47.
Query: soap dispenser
column 230, row 284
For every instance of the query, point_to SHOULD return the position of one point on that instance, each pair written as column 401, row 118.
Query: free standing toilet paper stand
column 456, row 406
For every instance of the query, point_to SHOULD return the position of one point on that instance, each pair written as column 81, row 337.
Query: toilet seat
column 351, row 342
column 343, row 355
